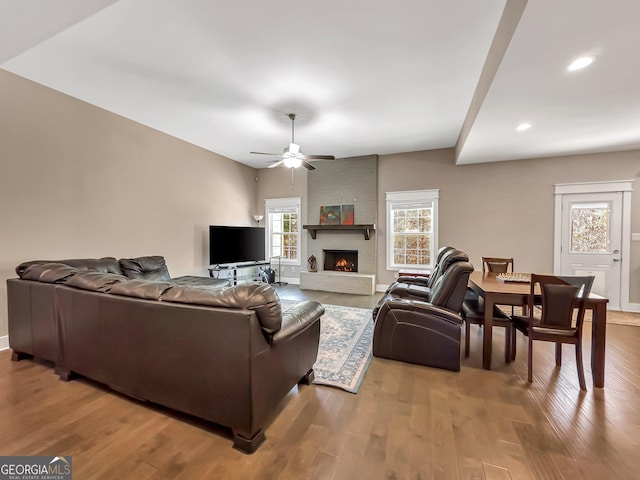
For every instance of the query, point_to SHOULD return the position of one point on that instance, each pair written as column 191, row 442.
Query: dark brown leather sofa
column 227, row 355
column 425, row 329
column 37, row 336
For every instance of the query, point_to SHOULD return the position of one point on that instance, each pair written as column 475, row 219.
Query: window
column 590, row 229
column 412, row 226
column 283, row 229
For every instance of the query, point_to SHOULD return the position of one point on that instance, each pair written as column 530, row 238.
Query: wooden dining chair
column 500, row 265
column 557, row 301
column 497, row 265
column 473, row 309
column 473, row 313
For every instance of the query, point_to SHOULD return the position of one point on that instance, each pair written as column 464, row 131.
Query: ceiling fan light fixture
column 292, row 162
column 580, row 63
column 292, row 157
column 294, row 148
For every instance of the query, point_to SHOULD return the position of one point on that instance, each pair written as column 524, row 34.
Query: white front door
column 591, row 240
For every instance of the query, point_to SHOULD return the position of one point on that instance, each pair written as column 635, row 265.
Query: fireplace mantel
column 366, row 229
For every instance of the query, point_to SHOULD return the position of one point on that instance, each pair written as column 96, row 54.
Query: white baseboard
column 291, row 280
column 381, row 288
column 4, row 342
column 631, row 307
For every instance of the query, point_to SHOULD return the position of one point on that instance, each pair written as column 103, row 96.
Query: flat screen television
column 231, row 245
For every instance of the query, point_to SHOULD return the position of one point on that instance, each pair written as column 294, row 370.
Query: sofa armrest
column 423, row 309
column 416, row 280
column 296, row 320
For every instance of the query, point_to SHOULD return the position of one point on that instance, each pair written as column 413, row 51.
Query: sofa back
column 149, row 268
column 104, row 265
column 152, row 267
column 259, row 297
column 450, row 257
column 449, row 290
column 437, row 270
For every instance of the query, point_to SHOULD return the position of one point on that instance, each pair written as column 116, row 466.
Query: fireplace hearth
column 341, row 260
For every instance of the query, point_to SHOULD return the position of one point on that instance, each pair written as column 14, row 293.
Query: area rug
column 344, row 354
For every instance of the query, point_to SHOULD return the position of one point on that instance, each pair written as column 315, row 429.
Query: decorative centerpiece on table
column 514, row 277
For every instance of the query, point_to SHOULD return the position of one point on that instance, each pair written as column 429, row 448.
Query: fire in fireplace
column 341, row 260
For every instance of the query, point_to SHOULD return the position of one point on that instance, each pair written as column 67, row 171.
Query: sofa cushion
column 48, row 272
column 95, row 281
column 260, row 297
column 104, row 265
column 139, row 288
column 201, row 281
column 148, row 268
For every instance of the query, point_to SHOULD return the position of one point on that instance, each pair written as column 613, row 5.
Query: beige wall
column 278, row 183
column 78, row 181
column 503, row 208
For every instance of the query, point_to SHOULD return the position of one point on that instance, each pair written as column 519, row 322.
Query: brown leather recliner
column 425, row 332
column 420, row 288
column 426, row 280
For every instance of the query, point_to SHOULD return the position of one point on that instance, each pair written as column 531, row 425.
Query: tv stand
column 239, row 272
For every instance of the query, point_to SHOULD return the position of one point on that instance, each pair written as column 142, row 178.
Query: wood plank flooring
column 406, row 422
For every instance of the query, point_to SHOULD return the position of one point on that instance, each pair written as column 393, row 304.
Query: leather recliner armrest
column 297, row 319
column 422, row 308
column 420, row 280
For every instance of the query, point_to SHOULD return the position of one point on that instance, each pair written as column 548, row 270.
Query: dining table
column 499, row 292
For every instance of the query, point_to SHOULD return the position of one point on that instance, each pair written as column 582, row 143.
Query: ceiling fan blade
column 319, row 157
column 308, row 166
column 277, row 164
column 263, row 153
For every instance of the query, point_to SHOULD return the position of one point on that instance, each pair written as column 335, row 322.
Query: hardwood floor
column 406, row 422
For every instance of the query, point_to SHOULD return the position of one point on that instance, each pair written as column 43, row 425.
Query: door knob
column 616, row 259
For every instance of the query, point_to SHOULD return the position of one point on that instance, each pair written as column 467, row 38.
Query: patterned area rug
column 346, row 336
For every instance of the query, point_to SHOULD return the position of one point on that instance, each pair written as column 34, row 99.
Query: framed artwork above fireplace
column 346, row 215
column 330, row 215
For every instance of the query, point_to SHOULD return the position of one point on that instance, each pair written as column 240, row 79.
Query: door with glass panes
column 591, row 240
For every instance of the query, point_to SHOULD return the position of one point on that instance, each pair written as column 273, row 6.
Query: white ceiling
column 364, row 77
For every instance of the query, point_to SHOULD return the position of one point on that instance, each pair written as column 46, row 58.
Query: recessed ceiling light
column 580, row 63
column 523, row 126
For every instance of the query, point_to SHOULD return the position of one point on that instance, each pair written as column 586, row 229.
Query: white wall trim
column 274, row 204
column 418, row 196
column 632, row 307
column 291, row 280
column 625, row 265
column 594, row 187
column 623, row 186
column 4, row 342
column 282, row 202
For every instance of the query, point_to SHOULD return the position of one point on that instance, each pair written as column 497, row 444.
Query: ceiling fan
column 292, row 157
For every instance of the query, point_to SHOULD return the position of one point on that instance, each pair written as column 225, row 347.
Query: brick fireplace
column 347, row 181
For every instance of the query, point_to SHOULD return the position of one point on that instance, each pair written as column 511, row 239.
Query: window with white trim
column 412, row 227
column 283, row 229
